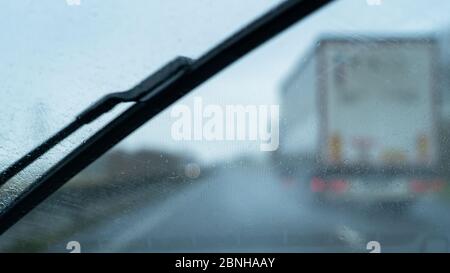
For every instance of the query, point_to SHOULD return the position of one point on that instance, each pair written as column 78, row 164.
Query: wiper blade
column 164, row 94
column 102, row 106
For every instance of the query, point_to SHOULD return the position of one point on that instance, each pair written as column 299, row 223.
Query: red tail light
column 419, row 186
column 318, row 185
column 339, row 186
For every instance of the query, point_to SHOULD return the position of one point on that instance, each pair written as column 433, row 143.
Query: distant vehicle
column 368, row 107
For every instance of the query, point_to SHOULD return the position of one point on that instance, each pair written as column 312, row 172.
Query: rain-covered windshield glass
column 58, row 57
column 333, row 136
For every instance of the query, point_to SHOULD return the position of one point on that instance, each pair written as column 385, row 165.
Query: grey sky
column 57, row 59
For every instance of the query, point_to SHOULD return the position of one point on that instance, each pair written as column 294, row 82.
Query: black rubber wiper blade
column 100, row 107
column 163, row 95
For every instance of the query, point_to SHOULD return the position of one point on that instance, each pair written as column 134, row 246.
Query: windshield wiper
column 152, row 96
column 145, row 88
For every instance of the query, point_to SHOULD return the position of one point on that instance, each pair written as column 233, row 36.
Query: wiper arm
column 149, row 105
column 102, row 106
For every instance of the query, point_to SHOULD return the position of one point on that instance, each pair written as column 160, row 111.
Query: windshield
column 76, row 57
column 331, row 137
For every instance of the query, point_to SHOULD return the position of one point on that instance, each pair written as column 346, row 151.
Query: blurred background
column 363, row 93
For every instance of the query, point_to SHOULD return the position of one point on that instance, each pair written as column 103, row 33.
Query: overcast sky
column 56, row 58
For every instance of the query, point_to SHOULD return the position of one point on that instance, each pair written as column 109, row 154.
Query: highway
column 251, row 210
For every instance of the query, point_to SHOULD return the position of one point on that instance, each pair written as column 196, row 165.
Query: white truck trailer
column 366, row 108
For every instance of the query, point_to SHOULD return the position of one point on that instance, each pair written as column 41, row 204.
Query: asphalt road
column 250, row 210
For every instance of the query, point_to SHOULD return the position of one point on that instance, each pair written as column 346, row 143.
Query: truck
column 362, row 115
